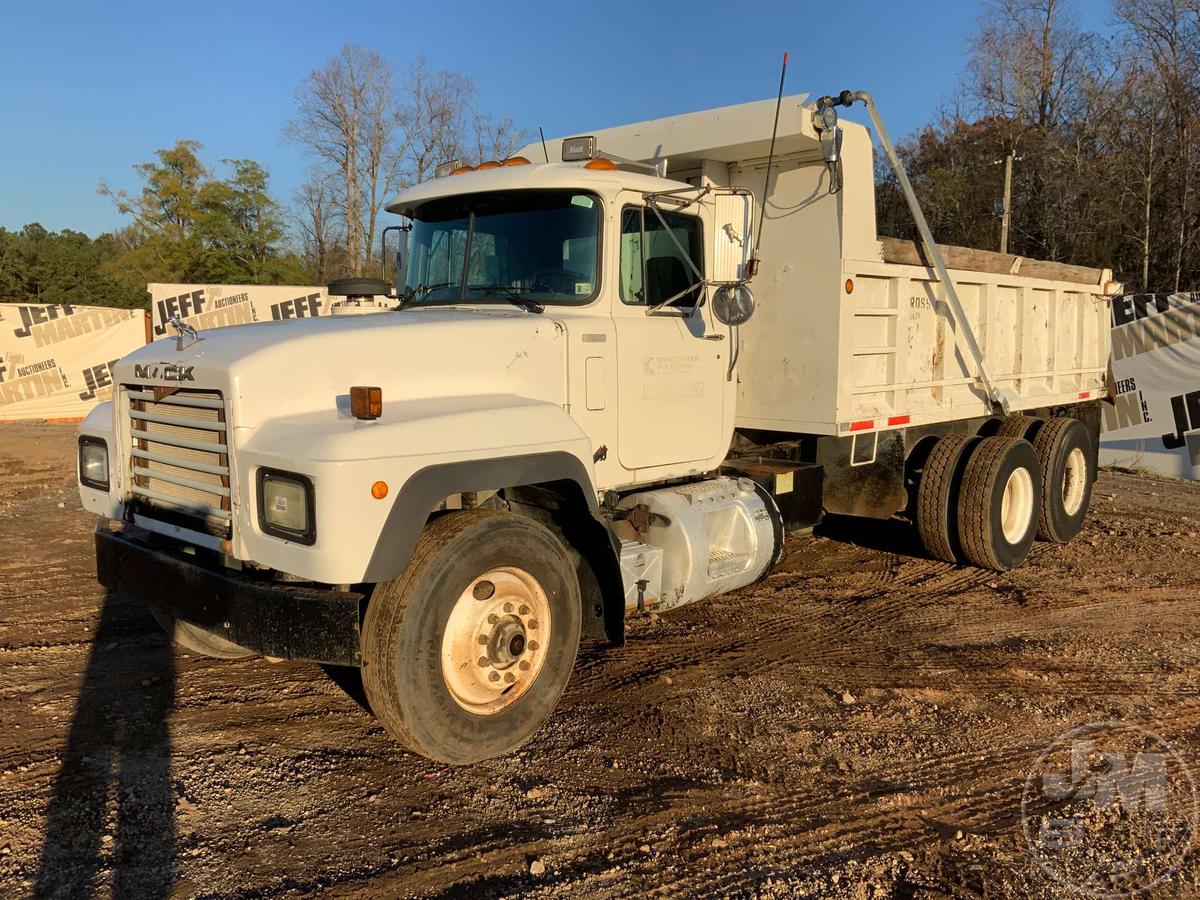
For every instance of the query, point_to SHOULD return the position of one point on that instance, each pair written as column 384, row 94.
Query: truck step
column 723, row 562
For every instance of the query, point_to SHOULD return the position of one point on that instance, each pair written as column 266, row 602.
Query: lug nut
column 532, row 626
column 484, row 662
column 524, row 610
column 494, row 676
column 483, row 639
column 508, row 607
column 493, row 619
column 524, row 664
column 533, row 645
column 509, row 677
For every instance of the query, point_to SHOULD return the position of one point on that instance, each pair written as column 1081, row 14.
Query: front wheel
column 466, row 654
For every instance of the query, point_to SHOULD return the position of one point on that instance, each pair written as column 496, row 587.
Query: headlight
column 285, row 506
column 93, row 463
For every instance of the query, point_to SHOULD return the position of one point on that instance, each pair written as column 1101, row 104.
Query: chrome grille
column 180, row 454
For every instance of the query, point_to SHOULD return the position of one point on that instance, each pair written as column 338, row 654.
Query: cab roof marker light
column 447, row 168
column 516, row 161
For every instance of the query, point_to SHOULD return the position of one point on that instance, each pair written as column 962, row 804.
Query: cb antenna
column 752, row 267
column 542, row 134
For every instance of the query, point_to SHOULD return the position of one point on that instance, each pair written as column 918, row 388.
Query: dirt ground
column 859, row 724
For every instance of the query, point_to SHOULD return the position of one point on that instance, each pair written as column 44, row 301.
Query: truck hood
column 273, row 370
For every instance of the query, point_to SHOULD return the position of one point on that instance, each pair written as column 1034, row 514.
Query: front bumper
column 270, row 618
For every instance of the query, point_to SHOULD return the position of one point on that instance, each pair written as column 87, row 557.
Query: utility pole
column 1006, row 215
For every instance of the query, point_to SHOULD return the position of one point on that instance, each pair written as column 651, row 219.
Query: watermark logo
column 1109, row 810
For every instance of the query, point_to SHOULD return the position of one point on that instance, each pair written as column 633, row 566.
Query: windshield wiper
column 512, row 295
column 427, row 288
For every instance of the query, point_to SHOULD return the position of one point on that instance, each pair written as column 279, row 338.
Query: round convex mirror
column 733, row 304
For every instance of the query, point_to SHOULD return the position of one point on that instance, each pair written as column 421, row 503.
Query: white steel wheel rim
column 496, row 640
column 1074, row 481
column 1016, row 507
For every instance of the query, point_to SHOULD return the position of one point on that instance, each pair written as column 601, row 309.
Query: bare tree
column 442, row 122
column 1031, row 68
column 318, row 222
column 1107, row 131
column 435, row 117
column 347, row 118
column 1027, row 60
column 374, row 135
column 1167, row 35
column 496, row 137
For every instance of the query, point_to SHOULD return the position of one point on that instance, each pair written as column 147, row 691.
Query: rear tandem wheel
column 937, row 496
column 999, row 501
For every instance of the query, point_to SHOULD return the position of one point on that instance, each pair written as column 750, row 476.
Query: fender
column 429, row 486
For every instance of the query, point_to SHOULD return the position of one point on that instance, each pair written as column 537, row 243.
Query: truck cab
column 572, row 408
column 620, row 265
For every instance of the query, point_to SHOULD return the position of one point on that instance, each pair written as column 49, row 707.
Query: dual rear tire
column 1064, row 451
column 998, row 503
column 984, row 500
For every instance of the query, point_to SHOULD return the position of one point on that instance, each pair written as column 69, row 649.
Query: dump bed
column 1044, row 339
column 854, row 332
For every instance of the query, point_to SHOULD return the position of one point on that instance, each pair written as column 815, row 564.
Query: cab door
column 672, row 360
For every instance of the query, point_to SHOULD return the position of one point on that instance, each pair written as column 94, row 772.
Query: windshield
column 538, row 246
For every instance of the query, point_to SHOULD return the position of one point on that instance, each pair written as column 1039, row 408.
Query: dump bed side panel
column 1043, row 342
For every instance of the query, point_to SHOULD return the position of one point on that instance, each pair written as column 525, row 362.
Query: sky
column 91, row 89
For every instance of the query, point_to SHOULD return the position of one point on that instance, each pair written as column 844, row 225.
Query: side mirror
column 733, row 304
column 400, row 258
column 733, row 222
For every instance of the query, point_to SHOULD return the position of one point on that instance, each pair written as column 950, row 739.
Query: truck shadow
column 112, row 812
column 349, row 679
column 888, row 535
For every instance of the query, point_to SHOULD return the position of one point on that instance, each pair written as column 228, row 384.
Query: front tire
column 466, row 654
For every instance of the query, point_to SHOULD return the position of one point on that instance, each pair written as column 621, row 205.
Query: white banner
column 55, row 359
column 1155, row 423
column 205, row 306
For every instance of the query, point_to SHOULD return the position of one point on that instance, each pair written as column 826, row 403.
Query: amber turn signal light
column 366, row 402
column 379, row 490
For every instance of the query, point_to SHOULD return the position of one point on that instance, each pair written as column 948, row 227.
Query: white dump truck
column 616, row 370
